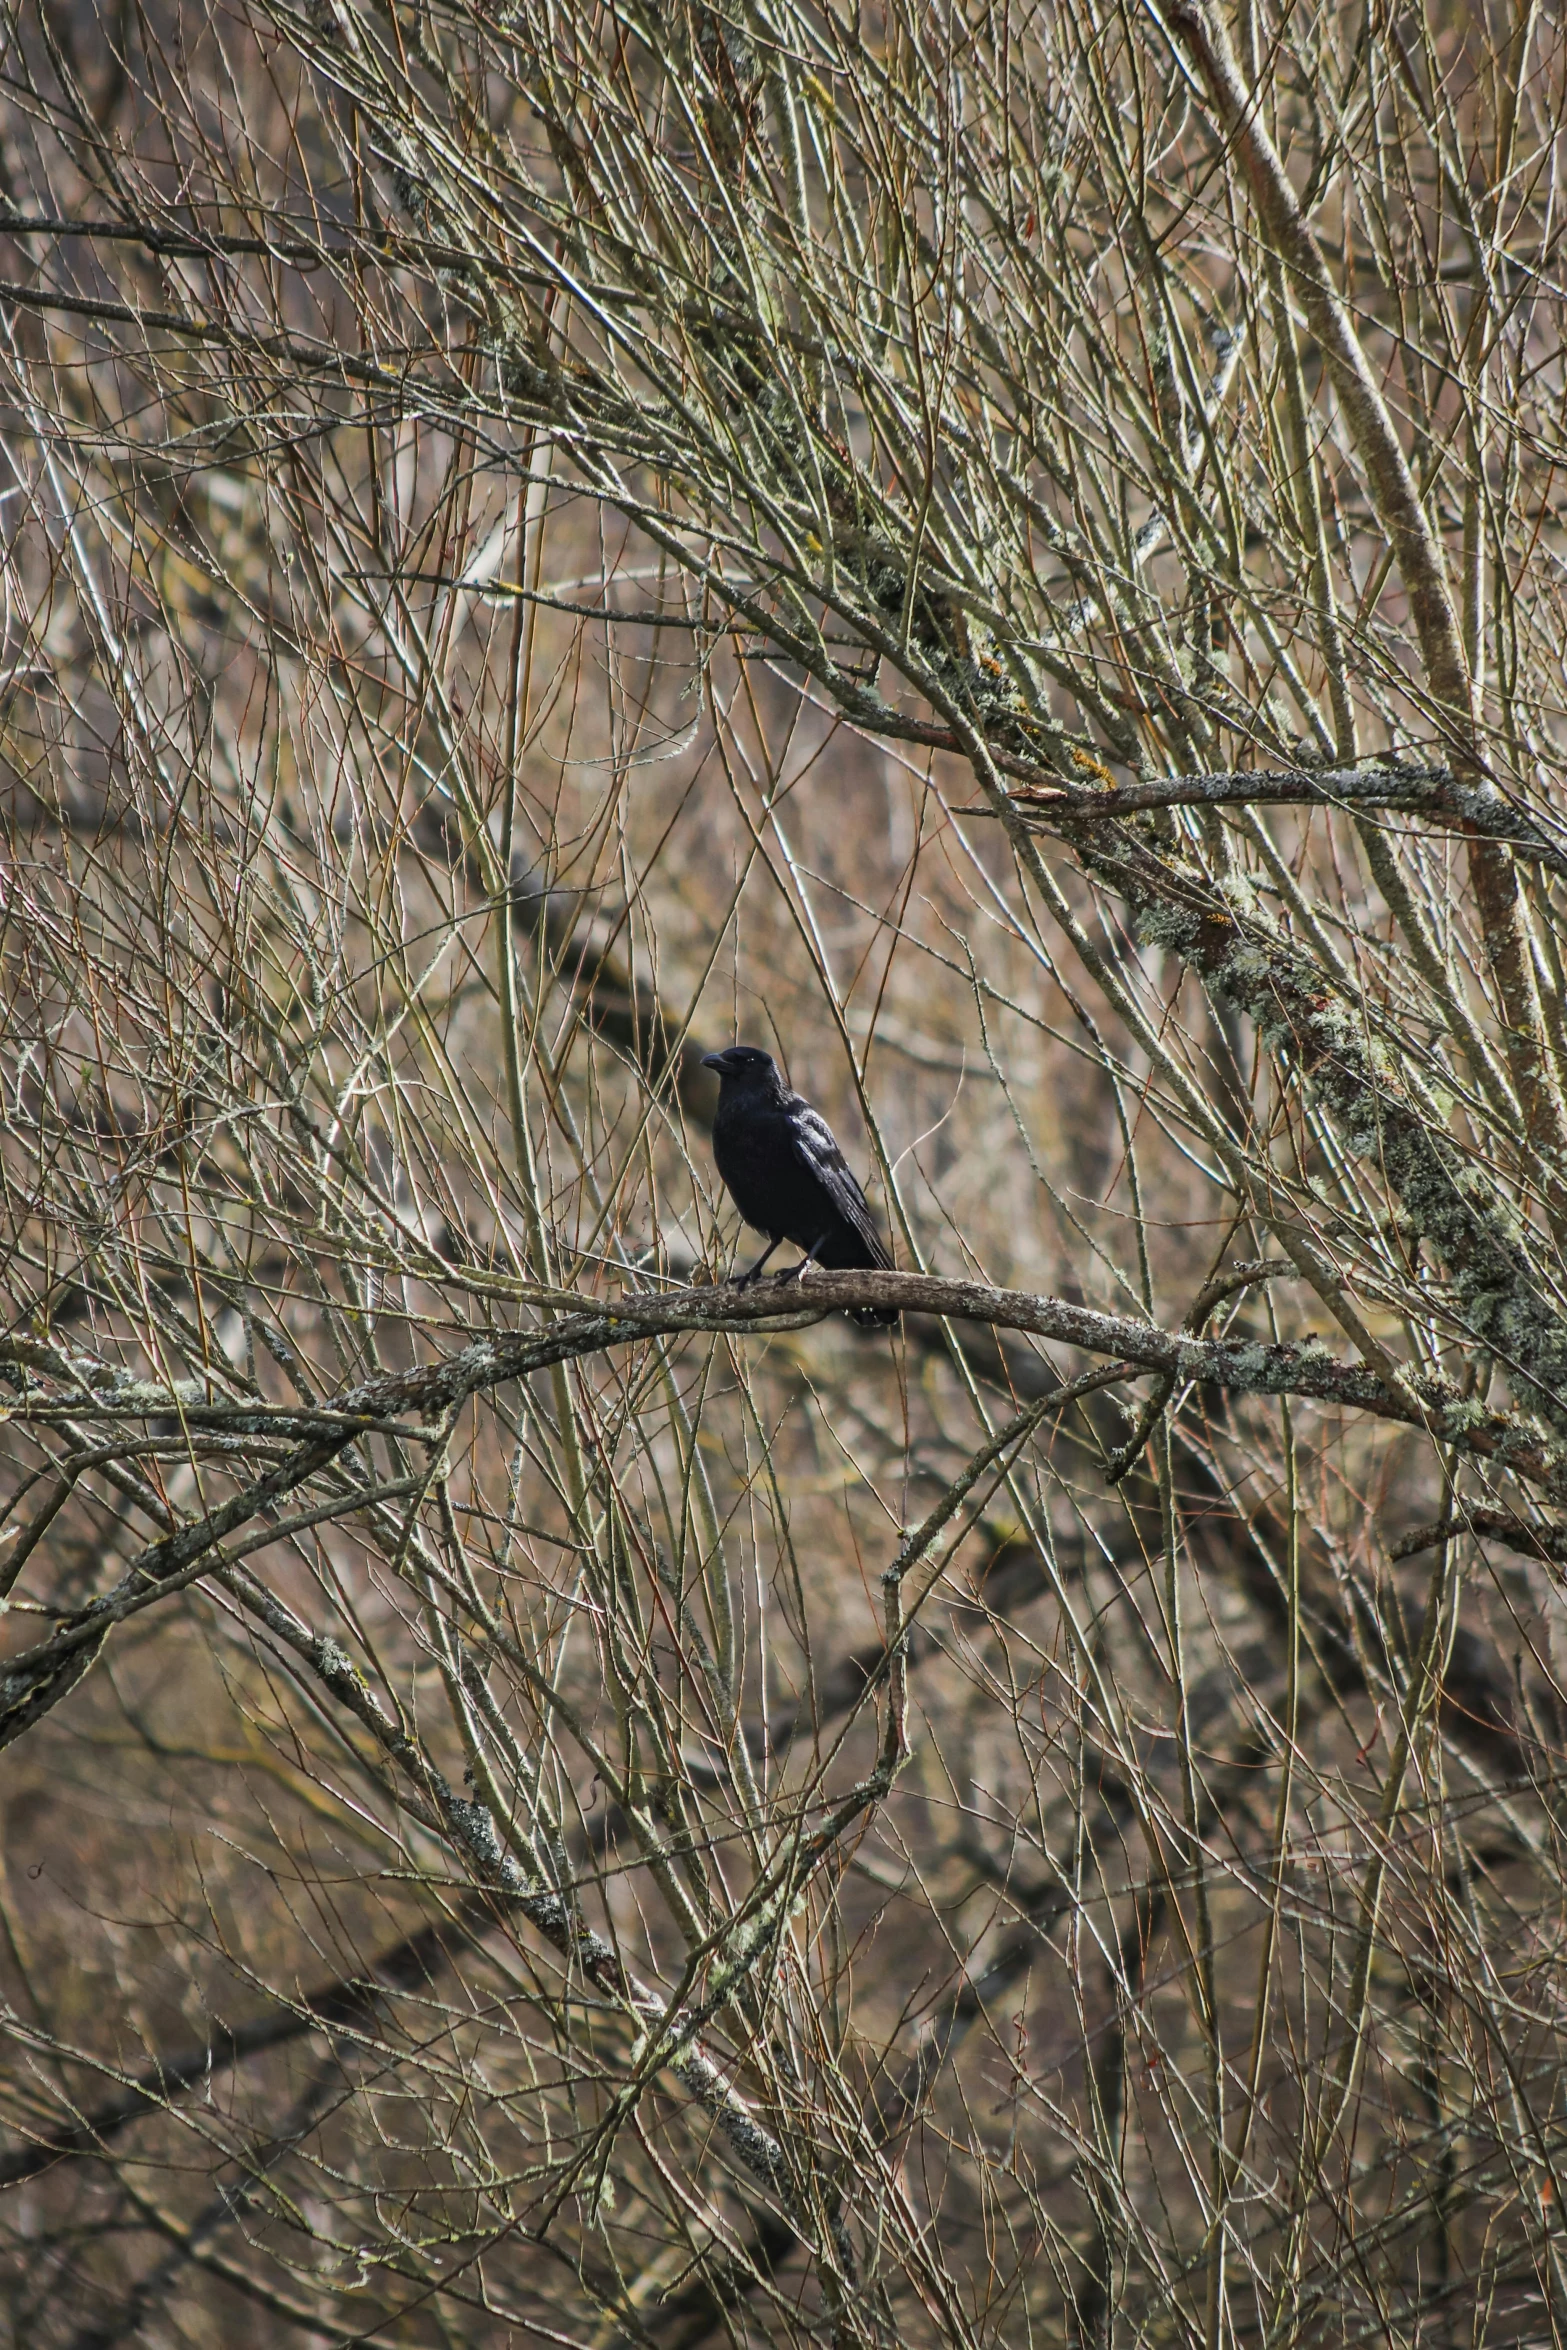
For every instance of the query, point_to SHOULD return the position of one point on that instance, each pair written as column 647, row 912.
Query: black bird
column 787, row 1176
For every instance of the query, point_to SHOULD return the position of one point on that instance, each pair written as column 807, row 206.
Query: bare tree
column 1013, row 556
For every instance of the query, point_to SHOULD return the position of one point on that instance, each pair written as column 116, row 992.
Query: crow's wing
column 818, row 1146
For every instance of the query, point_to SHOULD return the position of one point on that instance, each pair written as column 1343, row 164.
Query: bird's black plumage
column 787, row 1176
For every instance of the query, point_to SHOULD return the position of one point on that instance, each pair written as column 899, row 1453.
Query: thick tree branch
column 1435, row 793
column 1415, row 546
column 1227, row 938
column 1243, row 1367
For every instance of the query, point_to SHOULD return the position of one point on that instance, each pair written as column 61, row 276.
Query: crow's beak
column 718, row 1061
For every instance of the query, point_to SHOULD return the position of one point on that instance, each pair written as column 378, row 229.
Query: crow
column 787, row 1176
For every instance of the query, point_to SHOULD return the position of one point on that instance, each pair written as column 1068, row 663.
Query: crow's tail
column 874, row 1317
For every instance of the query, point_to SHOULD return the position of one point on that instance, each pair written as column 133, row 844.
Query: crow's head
column 747, row 1066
